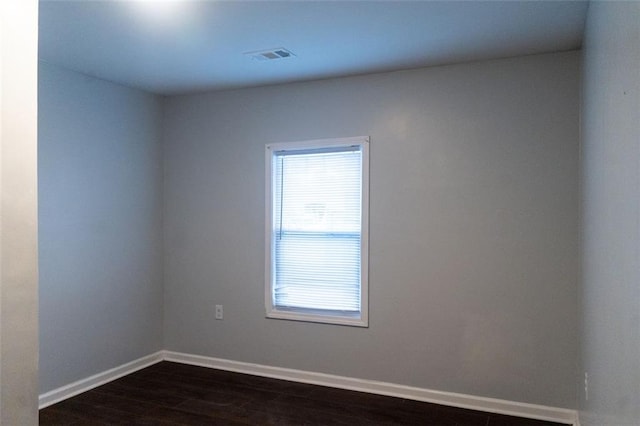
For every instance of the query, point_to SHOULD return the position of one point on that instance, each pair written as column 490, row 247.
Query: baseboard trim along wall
column 490, row 405
column 83, row 385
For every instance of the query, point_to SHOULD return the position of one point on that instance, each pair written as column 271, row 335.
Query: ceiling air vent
column 271, row 54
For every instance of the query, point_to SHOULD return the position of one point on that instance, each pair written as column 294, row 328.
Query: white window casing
column 317, row 220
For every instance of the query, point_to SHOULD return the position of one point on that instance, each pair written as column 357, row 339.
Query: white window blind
column 316, row 230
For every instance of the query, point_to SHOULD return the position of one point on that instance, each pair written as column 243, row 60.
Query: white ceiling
column 171, row 47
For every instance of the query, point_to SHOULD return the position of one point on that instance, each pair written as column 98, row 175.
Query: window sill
column 355, row 321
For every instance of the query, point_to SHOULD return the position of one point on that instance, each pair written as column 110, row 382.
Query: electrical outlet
column 219, row 312
column 586, row 386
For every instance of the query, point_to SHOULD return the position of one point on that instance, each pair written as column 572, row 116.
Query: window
column 317, row 226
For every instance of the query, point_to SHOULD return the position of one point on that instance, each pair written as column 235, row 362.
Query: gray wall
column 18, row 214
column 100, row 217
column 473, row 226
column 611, row 176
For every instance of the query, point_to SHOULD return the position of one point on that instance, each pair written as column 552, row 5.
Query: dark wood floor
column 176, row 394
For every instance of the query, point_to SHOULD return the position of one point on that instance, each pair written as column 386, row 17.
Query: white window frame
column 272, row 311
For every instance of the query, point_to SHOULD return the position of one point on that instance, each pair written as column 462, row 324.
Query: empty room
column 320, row 213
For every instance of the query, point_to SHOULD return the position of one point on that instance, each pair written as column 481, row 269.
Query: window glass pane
column 318, row 271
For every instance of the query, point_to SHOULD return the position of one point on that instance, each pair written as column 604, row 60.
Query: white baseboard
column 96, row 380
column 491, row 405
